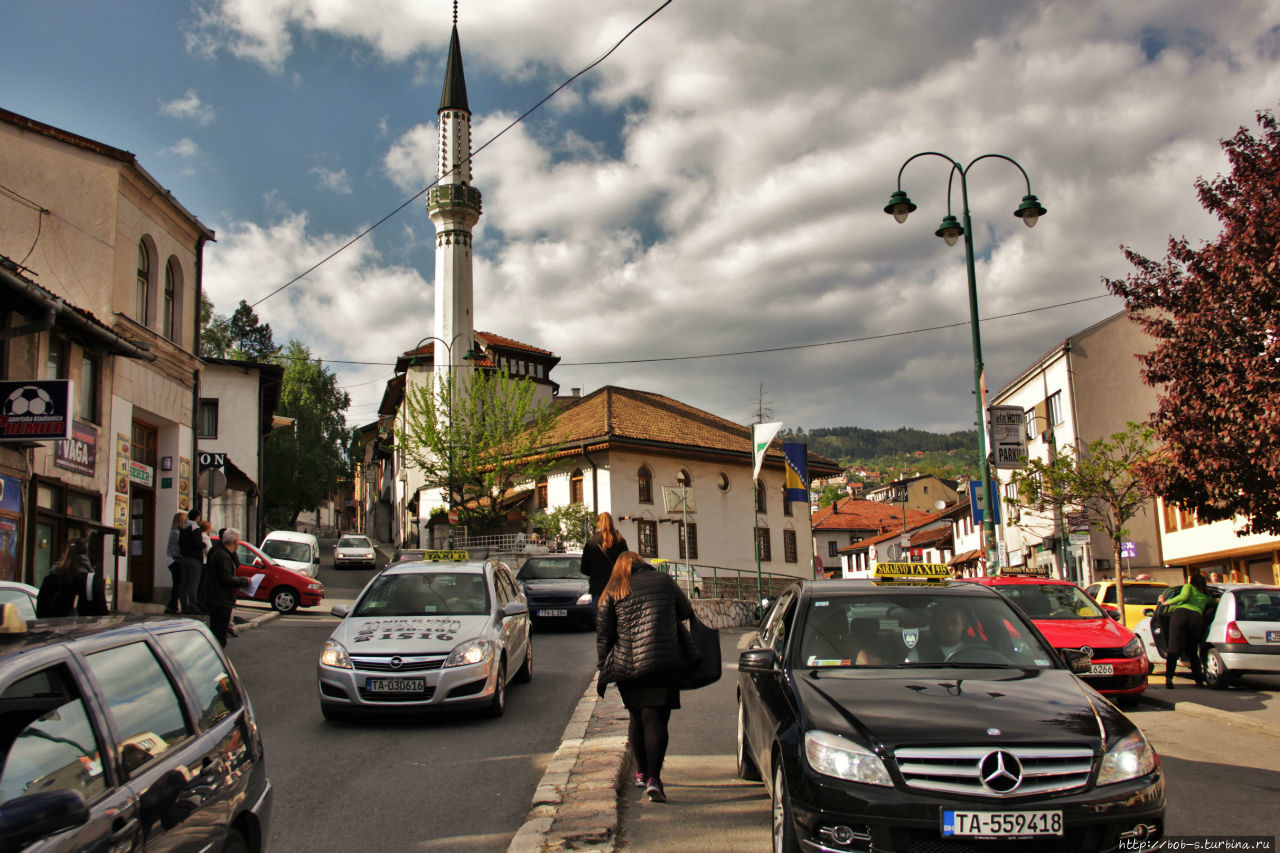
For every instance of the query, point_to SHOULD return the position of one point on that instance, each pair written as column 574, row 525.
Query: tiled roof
column 858, row 514
column 488, row 339
column 931, row 536
column 499, row 341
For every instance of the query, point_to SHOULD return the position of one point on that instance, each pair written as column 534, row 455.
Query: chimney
column 575, row 392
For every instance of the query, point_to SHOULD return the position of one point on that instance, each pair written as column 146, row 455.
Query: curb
column 1215, row 715
column 258, row 620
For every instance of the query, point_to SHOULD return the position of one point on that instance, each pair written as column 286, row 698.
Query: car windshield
column 900, row 632
column 552, row 568
column 19, row 599
column 1135, row 594
column 1258, row 605
column 449, row 593
column 282, row 549
column 411, row 554
column 354, row 542
column 1050, row 600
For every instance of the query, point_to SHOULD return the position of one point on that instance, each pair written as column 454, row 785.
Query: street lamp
column 1029, row 211
column 467, row 356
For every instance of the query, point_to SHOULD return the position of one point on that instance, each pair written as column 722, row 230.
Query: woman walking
column 638, row 647
column 1186, row 628
column 175, row 561
column 73, row 588
column 599, row 555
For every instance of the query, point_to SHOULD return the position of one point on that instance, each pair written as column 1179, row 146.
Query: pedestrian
column 174, row 555
column 599, row 555
column 73, row 588
column 219, row 582
column 1186, row 628
column 191, row 546
column 638, row 647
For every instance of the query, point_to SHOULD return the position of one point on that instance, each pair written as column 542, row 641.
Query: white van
column 297, row 551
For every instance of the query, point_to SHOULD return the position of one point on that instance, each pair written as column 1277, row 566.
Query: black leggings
column 1185, row 629
column 648, row 735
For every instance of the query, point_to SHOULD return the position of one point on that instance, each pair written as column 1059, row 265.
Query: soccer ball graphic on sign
column 28, row 400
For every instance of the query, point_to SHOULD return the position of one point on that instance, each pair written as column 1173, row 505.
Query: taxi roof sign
column 910, row 574
column 1026, row 572
column 445, row 556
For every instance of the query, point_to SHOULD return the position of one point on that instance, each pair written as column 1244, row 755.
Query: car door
column 515, row 629
column 765, row 703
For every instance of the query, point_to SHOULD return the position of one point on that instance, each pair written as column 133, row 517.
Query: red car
column 285, row 589
column 1070, row 619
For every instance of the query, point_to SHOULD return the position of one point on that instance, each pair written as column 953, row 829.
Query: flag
column 761, row 435
column 797, row 485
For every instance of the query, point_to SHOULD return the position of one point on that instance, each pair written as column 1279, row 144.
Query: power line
column 468, row 159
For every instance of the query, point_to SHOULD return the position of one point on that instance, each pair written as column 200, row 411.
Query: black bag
column 701, row 647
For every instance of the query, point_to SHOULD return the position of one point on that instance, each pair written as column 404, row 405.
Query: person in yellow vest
column 1186, row 627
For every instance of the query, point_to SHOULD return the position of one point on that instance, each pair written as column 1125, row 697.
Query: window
column 1030, row 418
column 1170, row 517
column 1055, row 408
column 833, row 548
column 647, row 531
column 207, row 419
column 170, row 298
column 786, row 503
column 214, row 689
column 49, row 741
column 575, row 486
column 644, row 486
column 763, row 545
column 89, row 388
column 1186, row 518
column 141, row 701
column 142, row 303
column 761, row 504
column 722, row 482
column 541, row 490
column 56, row 364
column 684, row 478
column 692, row 534
column 789, row 551
column 144, row 444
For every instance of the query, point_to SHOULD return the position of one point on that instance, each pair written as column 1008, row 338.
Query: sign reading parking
column 1008, row 436
column 212, row 460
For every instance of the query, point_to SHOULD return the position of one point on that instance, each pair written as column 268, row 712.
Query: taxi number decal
column 425, row 635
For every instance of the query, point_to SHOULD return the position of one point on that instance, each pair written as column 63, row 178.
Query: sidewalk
column 1253, row 703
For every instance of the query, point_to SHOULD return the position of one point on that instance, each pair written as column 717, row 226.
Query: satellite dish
column 211, row 483
column 939, row 504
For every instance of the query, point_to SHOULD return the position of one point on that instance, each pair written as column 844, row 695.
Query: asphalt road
column 453, row 782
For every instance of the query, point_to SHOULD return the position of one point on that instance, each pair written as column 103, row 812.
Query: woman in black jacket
column 73, row 588
column 599, row 555
column 638, row 647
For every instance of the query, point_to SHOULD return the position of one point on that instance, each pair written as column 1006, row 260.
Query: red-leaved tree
column 1214, row 312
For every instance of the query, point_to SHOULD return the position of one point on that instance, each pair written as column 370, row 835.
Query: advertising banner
column 80, row 452
column 35, row 410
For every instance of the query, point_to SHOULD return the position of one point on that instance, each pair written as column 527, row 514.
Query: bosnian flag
column 797, row 485
column 761, row 435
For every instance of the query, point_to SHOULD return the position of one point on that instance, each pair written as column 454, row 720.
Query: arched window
column 684, row 478
column 142, row 300
column 575, row 486
column 644, row 480
column 761, row 504
column 168, row 310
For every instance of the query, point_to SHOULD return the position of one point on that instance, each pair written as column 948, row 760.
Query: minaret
column 454, row 207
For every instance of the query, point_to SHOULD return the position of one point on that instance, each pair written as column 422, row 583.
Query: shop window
column 575, row 486
column 763, row 546
column 647, row 532
column 207, row 423
column 644, row 485
column 689, row 532
column 81, row 505
column 89, row 388
column 789, row 551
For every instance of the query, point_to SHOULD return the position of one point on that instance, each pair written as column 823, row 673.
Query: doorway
column 142, row 542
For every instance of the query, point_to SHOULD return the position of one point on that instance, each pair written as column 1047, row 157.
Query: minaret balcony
column 453, row 195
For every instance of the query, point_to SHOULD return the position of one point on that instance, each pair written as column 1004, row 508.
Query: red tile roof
column 859, row 514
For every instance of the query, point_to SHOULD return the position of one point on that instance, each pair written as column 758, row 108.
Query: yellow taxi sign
column 443, row 556
column 1026, row 572
column 912, row 570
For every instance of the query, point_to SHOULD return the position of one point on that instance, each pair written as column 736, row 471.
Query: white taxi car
column 441, row 633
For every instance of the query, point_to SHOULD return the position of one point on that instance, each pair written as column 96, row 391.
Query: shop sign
column 10, row 494
column 143, row 475
column 80, row 452
column 35, row 410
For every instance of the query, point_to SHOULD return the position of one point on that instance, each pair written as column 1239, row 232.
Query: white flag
column 761, row 435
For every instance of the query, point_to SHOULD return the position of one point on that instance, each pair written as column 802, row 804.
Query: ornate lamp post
column 1029, row 211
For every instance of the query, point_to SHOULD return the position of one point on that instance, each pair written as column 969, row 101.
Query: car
column 556, row 590
column 406, row 554
column 1140, row 599
column 920, row 713
column 1069, row 619
column 1241, row 631
column 354, row 551
column 284, row 589
column 686, row 577
column 21, row 595
column 126, row 733
column 293, row 550
column 438, row 634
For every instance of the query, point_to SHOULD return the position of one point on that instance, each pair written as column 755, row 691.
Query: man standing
column 191, row 547
column 219, row 583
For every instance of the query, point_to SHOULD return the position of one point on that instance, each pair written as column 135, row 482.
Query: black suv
column 125, row 733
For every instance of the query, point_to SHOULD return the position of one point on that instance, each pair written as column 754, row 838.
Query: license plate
column 1273, row 636
column 1102, row 669
column 395, row 685
column 1001, row 824
column 552, row 613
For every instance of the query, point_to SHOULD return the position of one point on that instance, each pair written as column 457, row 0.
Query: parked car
column 126, row 733
column 428, row 636
column 918, row 748
column 556, row 590
column 406, row 554
column 687, row 578
column 293, row 550
column 354, row 551
column 1069, row 619
column 21, row 595
column 284, row 589
column 1140, row 599
column 1241, row 632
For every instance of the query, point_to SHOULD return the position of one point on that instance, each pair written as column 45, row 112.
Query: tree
column 474, row 437
column 215, row 341
column 1106, row 484
column 1215, row 314
column 302, row 465
column 830, row 494
column 241, row 336
column 571, row 522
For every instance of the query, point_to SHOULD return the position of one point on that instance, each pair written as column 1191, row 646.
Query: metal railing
column 721, row 582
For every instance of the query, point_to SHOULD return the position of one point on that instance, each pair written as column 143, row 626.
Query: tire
column 1216, row 674
column 746, row 767
column 284, row 599
column 235, row 842
column 525, row 673
column 784, row 826
column 498, row 704
column 335, row 714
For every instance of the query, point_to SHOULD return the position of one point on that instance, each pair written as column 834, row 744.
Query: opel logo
column 395, row 662
column 1000, row 771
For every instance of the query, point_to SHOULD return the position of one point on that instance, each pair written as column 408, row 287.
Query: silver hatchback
column 428, row 635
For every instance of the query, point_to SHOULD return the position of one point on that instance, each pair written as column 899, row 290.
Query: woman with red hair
column 599, row 555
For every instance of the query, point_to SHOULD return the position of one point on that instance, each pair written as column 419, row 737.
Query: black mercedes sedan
column 931, row 715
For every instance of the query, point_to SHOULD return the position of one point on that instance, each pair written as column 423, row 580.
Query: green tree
column 302, row 465
column 1107, row 483
column 241, row 336
column 571, row 522
column 830, row 494
column 475, row 437
column 215, row 338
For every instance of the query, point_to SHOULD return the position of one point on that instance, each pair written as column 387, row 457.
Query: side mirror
column 764, row 604
column 758, row 660
column 1114, row 614
column 514, row 608
column 1077, row 661
column 257, row 561
column 28, row 819
column 340, row 610
column 1148, row 611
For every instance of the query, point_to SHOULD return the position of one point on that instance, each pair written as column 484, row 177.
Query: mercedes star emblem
column 1000, row 771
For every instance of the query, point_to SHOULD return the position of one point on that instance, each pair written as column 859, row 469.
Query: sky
column 714, row 187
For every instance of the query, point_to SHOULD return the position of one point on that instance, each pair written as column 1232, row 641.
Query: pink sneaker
column 640, row 780
column 654, row 791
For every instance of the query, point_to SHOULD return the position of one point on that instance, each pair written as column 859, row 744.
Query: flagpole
column 761, row 436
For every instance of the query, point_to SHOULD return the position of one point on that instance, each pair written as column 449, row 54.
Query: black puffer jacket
column 597, row 562
column 640, row 629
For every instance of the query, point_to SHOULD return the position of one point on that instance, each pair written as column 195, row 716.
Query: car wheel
column 525, row 672
column 335, row 713
column 498, row 703
column 1216, row 674
column 235, row 842
column 784, row 826
column 284, row 599
column 746, row 767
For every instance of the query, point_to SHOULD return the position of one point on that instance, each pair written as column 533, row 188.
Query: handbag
column 701, row 647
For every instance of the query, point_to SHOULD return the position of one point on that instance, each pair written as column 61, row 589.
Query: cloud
column 188, row 108
column 334, row 181
column 185, row 148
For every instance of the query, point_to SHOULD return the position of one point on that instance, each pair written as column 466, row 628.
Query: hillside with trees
column 895, row 453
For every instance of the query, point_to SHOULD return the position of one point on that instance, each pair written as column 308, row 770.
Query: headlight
column 315, row 587
column 470, row 652
column 1134, row 648
column 369, row 555
column 335, row 655
column 1130, row 758
column 585, row 598
column 832, row 755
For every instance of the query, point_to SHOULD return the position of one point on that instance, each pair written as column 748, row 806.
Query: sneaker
column 640, row 780
column 654, row 791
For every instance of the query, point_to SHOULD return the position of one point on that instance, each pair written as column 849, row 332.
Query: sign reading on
column 1008, row 436
column 212, row 460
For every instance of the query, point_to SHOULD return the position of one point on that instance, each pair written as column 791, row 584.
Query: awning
column 967, row 557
